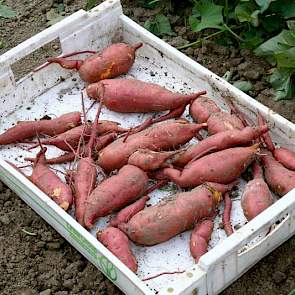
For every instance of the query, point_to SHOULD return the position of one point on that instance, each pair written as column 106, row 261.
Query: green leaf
column 6, row 12
column 252, row 38
column 284, row 8
column 90, row 4
column 210, row 14
column 264, row 4
column 247, row 12
column 60, row 7
column 286, row 58
column 159, row 26
column 2, row 44
column 245, row 86
column 291, row 25
column 272, row 24
column 55, row 20
column 281, row 81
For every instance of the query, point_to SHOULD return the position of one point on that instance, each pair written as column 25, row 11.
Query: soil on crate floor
column 34, row 258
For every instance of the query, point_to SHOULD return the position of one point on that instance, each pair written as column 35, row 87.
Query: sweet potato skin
column 223, row 121
column 117, row 242
column 135, row 96
column 161, row 136
column 28, row 129
column 126, row 213
column 221, row 167
column 285, row 156
column 202, row 108
column 280, row 179
column 47, row 181
column 200, row 237
column 114, row 193
column 217, row 142
column 171, row 216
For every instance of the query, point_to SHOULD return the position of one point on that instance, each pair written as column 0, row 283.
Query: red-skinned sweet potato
column 161, row 136
column 172, row 216
column 148, row 160
column 217, row 142
column 114, row 193
column 111, row 62
column 200, row 237
column 27, row 129
column 126, row 213
column 280, row 179
column 47, row 181
column 256, row 196
column 221, row 167
column 117, row 242
column 202, row 108
column 226, row 215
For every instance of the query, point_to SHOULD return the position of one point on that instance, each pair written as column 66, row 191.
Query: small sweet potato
column 221, row 167
column 111, row 62
column 148, row 160
column 172, row 216
column 48, row 182
column 126, row 213
column 219, row 141
column 27, row 129
column 117, row 242
column 226, row 215
column 114, row 193
column 202, row 108
column 256, row 196
column 161, row 136
column 280, row 179
column 200, row 237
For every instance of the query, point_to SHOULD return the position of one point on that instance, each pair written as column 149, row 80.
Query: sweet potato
column 50, row 183
column 280, row 179
column 202, row 108
column 27, row 129
column 256, row 196
column 217, row 142
column 226, row 215
column 114, row 193
column 106, row 126
column 200, row 237
column 135, row 96
column 221, row 167
column 223, row 121
column 117, row 242
column 161, row 136
column 111, row 62
column 148, row 160
column 126, row 213
column 266, row 137
column 172, row 216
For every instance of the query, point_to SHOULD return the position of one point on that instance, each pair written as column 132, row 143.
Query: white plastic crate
column 45, row 93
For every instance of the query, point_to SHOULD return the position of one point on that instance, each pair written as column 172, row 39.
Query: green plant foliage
column 159, row 26
column 90, row 4
column 5, row 11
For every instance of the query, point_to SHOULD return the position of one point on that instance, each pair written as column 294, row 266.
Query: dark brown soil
column 34, row 259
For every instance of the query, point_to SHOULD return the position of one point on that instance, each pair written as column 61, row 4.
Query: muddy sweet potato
column 256, row 196
column 172, row 216
column 114, row 193
column 280, row 179
column 202, row 108
column 200, row 237
column 126, row 213
column 217, row 142
column 27, row 129
column 48, row 182
column 221, row 167
column 111, row 62
column 161, row 136
column 117, row 242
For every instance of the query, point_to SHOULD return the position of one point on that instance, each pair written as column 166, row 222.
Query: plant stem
column 226, row 11
column 232, row 32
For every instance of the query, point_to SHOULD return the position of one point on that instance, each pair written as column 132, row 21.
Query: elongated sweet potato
column 223, row 121
column 280, row 179
column 135, row 96
column 50, row 183
column 28, row 129
column 161, row 136
column 221, row 167
column 111, row 62
column 114, row 193
column 226, row 215
column 256, row 196
column 217, row 142
column 148, row 160
column 202, row 108
column 117, row 242
column 200, row 237
column 106, row 126
column 126, row 213
column 172, row 216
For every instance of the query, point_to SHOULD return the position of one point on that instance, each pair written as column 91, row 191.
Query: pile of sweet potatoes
column 112, row 166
